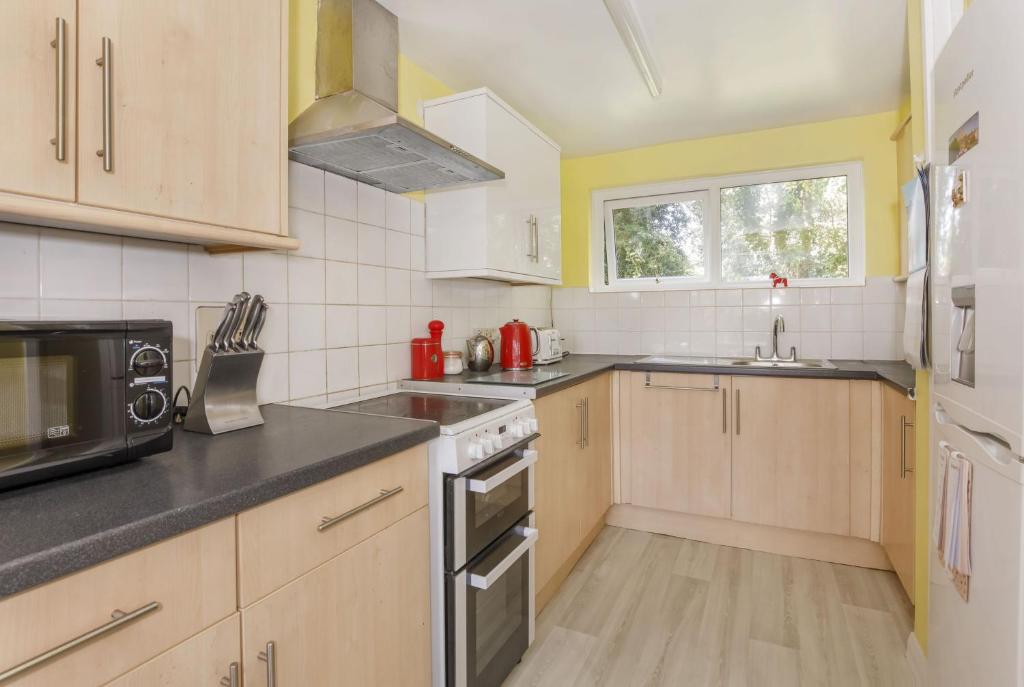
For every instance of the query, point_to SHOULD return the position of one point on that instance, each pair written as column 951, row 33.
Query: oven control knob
column 476, row 450
column 532, row 423
column 148, row 406
column 148, row 361
column 499, row 443
column 488, row 443
column 516, row 429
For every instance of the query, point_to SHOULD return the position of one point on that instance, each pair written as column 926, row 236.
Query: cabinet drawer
column 203, row 660
column 173, row 589
column 283, row 539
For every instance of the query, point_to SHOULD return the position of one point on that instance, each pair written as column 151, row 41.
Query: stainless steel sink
column 737, row 362
column 786, row 364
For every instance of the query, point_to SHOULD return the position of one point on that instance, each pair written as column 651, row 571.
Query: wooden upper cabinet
column 791, row 453
column 197, row 120
column 30, row 104
column 898, row 486
column 678, row 442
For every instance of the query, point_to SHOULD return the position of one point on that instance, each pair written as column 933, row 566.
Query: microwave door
column 60, row 395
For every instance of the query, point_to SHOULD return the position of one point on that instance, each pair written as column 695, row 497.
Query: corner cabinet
column 573, row 479
column 509, row 229
column 898, row 485
column 147, row 118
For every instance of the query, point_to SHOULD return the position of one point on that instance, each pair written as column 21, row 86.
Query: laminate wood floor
column 647, row 609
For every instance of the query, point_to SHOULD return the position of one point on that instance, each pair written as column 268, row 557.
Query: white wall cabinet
column 509, row 229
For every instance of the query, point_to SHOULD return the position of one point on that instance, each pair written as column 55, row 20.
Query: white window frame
column 709, row 188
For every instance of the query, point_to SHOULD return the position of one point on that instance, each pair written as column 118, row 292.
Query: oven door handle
column 529, row 535
column 485, row 486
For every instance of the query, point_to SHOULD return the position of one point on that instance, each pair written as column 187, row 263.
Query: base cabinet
column 362, row 618
column 572, row 479
column 898, row 484
column 791, row 453
column 208, row 658
column 679, row 441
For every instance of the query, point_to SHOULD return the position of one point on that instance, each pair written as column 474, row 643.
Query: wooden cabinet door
column 595, row 475
column 556, row 481
column 204, row 659
column 791, row 453
column 29, row 105
column 679, row 442
column 898, row 494
column 362, row 618
column 197, row 118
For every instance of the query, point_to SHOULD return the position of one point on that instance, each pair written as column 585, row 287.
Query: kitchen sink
column 737, row 362
column 785, row 364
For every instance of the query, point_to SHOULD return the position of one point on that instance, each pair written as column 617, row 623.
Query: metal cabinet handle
column 737, row 412
column 328, row 521
column 107, row 151
column 582, row 441
column 529, row 241
column 725, row 428
column 120, row 619
column 649, row 385
column 904, row 424
column 586, row 422
column 270, row 659
column 231, row 680
column 60, row 43
column 536, row 240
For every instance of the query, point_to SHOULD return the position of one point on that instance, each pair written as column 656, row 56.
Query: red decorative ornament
column 778, row 281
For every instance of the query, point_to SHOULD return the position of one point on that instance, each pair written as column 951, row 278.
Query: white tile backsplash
column 321, row 298
column 848, row 322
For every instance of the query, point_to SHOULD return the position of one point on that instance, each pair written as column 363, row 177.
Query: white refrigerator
column 977, row 330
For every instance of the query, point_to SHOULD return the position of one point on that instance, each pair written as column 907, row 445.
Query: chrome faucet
column 778, row 326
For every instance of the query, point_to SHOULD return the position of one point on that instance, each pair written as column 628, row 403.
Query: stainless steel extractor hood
column 353, row 128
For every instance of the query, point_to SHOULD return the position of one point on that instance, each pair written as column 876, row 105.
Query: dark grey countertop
column 581, row 367
column 55, row 528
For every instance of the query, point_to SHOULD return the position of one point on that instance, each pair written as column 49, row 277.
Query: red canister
column 516, row 346
column 427, row 362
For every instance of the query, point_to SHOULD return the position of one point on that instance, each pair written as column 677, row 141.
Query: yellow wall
column 841, row 140
column 414, row 84
column 922, row 421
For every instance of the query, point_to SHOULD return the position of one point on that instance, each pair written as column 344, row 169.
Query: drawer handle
column 649, row 385
column 120, row 619
column 270, row 657
column 328, row 521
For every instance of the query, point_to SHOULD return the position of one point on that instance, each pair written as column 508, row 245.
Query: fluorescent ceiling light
column 625, row 20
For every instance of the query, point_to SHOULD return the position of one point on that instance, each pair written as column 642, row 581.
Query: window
column 803, row 224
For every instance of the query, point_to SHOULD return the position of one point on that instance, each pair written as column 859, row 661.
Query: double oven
column 489, row 539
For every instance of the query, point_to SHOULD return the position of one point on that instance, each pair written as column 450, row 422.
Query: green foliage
column 797, row 229
column 664, row 240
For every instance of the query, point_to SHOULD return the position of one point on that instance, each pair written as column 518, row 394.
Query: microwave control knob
column 148, row 361
column 148, row 406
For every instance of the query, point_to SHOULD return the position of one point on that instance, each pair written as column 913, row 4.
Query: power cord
column 181, row 411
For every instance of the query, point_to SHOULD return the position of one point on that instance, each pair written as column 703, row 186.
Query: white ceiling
column 727, row 65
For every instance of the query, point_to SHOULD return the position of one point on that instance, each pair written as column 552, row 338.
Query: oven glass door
column 483, row 503
column 62, row 395
column 491, row 611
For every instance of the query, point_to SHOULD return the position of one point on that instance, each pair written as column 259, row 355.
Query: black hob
column 444, row 410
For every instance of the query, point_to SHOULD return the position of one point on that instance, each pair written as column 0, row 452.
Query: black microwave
column 76, row 396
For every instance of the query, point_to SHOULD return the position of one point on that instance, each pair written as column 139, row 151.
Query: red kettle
column 516, row 346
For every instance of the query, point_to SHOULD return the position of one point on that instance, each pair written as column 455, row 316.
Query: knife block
column 224, row 398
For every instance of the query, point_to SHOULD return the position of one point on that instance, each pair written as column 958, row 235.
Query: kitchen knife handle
column 222, row 329
column 249, row 326
column 261, row 319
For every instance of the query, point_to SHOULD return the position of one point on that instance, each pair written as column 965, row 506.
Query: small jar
column 452, row 362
